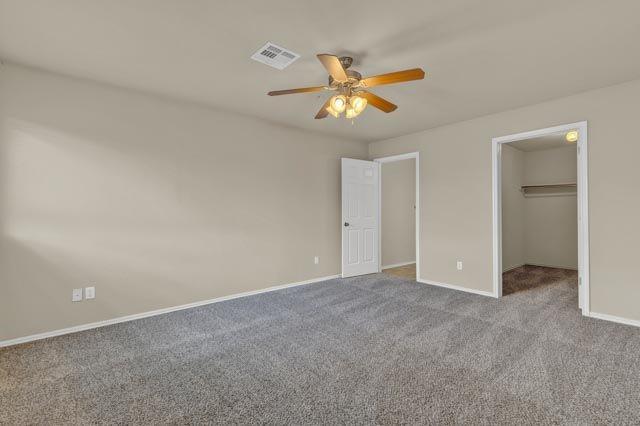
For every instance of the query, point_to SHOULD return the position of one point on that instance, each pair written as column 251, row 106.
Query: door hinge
column 579, row 281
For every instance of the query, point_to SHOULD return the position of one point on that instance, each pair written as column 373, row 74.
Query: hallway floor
column 406, row 271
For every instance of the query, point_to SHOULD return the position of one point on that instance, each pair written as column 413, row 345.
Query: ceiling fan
column 352, row 96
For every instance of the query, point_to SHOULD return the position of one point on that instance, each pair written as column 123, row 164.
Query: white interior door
column 360, row 217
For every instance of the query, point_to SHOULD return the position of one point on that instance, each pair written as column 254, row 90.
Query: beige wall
column 455, row 192
column 551, row 223
column 513, row 226
column 156, row 203
column 398, row 212
column 160, row 203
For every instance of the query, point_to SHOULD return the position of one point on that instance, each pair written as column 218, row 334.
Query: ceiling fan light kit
column 352, row 97
column 352, row 106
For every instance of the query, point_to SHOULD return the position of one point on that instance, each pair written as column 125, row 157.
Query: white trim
column 583, row 204
column 400, row 157
column 551, row 266
column 612, row 318
column 539, row 265
column 133, row 317
column 496, row 197
column 583, row 217
column 514, row 267
column 397, row 265
column 458, row 288
column 541, row 132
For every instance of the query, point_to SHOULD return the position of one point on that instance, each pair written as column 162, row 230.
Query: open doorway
column 398, row 236
column 540, row 221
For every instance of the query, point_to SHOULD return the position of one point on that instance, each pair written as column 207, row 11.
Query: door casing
column 583, row 205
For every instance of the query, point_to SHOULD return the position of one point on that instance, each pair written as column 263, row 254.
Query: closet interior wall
column 539, row 226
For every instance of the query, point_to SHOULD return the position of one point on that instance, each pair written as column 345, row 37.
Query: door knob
column 346, row 224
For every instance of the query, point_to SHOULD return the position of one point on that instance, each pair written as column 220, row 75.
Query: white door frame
column 583, row 205
column 390, row 159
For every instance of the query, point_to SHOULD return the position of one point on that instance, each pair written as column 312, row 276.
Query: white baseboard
column 126, row 318
column 397, row 265
column 513, row 267
column 539, row 265
column 455, row 287
column 626, row 321
column 551, row 266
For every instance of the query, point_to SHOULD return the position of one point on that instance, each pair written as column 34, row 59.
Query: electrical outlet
column 316, row 260
column 89, row 292
column 459, row 265
column 76, row 295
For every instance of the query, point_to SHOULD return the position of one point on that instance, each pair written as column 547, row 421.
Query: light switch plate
column 459, row 265
column 89, row 292
column 76, row 295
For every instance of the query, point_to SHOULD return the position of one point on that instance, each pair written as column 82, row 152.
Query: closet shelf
column 549, row 190
column 550, row 185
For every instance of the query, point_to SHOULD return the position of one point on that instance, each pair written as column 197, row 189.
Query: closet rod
column 551, row 185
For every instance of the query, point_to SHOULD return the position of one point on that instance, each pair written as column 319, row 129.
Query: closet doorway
column 540, row 221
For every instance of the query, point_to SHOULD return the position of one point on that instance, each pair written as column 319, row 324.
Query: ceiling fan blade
column 378, row 102
column 393, row 77
column 333, row 66
column 300, row 90
column 323, row 111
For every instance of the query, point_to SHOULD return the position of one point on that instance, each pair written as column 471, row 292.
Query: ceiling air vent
column 275, row 56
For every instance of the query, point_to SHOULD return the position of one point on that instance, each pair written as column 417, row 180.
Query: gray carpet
column 374, row 349
column 529, row 277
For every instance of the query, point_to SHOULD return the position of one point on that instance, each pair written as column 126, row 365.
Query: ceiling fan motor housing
column 345, row 61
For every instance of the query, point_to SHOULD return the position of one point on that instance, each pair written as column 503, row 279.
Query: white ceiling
column 542, row 143
column 481, row 56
